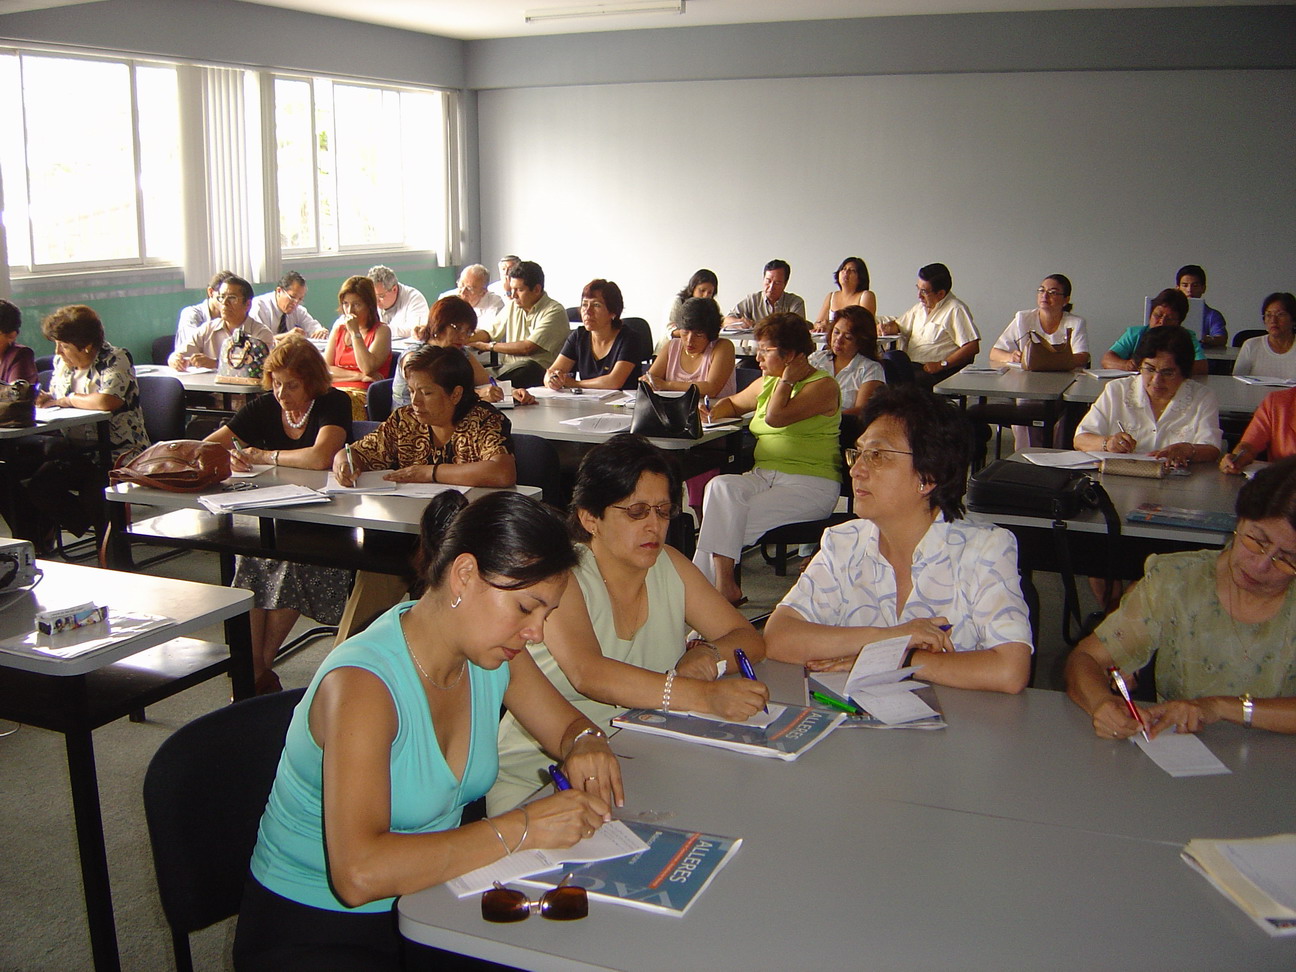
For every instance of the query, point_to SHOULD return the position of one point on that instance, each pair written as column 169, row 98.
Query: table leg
column 84, row 783
column 238, row 635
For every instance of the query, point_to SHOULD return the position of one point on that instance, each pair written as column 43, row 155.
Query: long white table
column 77, row 695
column 1013, row 839
column 545, row 418
column 1237, row 399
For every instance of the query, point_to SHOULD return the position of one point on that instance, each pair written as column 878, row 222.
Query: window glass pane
column 423, row 155
column 296, row 162
column 80, row 163
column 159, row 143
column 13, row 165
column 326, row 164
column 369, row 199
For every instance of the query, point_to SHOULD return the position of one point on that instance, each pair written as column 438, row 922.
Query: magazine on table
column 791, row 732
column 1257, row 875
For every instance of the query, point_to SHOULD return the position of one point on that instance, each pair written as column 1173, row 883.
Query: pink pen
column 1118, row 683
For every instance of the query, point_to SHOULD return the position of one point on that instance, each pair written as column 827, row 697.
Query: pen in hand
column 745, row 666
column 559, row 778
column 350, row 463
column 1119, row 685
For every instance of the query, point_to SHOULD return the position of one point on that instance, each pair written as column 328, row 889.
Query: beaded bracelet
column 666, row 692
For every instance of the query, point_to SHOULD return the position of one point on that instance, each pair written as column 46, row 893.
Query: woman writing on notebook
column 301, row 424
column 1222, row 625
column 618, row 640
column 396, row 735
column 911, row 566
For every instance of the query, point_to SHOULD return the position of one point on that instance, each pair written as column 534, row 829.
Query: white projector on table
column 17, row 564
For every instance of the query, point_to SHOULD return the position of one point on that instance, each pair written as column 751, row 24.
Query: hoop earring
column 456, row 602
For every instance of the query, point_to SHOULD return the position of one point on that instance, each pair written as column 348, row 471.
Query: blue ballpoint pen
column 745, row 667
column 559, row 778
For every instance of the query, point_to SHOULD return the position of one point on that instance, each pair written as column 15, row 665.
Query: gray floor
column 41, row 909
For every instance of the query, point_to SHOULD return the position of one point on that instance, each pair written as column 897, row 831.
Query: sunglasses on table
column 566, row 902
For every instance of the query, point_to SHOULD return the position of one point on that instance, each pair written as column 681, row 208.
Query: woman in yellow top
column 798, row 460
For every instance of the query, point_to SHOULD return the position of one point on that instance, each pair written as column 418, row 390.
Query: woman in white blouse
column 911, row 565
column 1158, row 410
column 1271, row 354
column 852, row 357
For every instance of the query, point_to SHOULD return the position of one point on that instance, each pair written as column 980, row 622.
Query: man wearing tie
column 282, row 311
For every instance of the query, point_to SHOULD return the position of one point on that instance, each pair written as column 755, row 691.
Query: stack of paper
column 1062, row 459
column 790, row 733
column 577, row 394
column 986, row 370
column 1266, row 381
column 604, row 422
column 879, row 686
column 259, row 497
column 1107, row 373
column 120, row 627
column 1259, row 876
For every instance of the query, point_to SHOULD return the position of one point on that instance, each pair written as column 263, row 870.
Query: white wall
column 1114, row 178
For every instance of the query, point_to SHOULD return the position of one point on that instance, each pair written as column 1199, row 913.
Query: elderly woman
column 1219, row 623
column 1270, row 354
column 301, row 425
column 852, row 283
column 17, row 361
column 359, row 346
column 798, row 460
column 911, row 566
column 451, row 321
column 703, row 284
column 602, row 354
column 852, row 357
column 698, row 356
column 396, row 736
column 619, row 638
column 1167, row 309
column 66, row 488
column 1158, row 410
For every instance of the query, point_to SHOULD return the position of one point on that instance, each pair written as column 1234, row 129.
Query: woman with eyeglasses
column 396, row 736
column 1221, row 624
column 797, row 475
column 1271, row 354
column 911, row 565
column 1157, row 411
column 603, row 353
column 618, row 640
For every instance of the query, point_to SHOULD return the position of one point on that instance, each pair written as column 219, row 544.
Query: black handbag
column 17, row 405
column 667, row 417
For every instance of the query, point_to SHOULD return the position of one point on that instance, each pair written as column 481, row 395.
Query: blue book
column 793, row 730
column 1214, row 520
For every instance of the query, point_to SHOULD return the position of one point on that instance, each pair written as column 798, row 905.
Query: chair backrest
column 162, row 399
column 1242, row 337
column 538, row 465
column 378, row 400
column 643, row 332
column 897, row 368
column 45, row 362
column 745, row 376
column 44, row 375
column 162, row 348
column 204, row 793
column 573, row 315
column 361, row 428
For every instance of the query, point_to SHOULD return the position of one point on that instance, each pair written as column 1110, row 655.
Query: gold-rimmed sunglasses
column 566, row 902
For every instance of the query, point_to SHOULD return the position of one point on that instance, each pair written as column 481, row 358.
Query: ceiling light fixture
column 605, row 9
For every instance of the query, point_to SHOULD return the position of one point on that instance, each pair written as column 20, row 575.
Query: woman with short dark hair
column 698, row 356
column 1271, row 354
column 852, row 282
column 852, row 357
column 618, row 640
column 603, row 352
column 17, row 361
column 911, row 565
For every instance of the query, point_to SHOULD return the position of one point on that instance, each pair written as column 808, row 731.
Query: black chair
column 573, row 315
column 45, row 363
column 162, row 399
column 43, row 375
column 359, row 429
column 204, row 793
column 538, row 465
column 745, row 376
column 897, row 368
column 378, row 400
column 162, row 348
column 1240, row 338
column 639, row 327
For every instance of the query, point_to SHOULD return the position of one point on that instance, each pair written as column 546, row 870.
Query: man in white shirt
column 940, row 337
column 772, row 298
column 529, row 333
column 196, row 315
column 281, row 311
column 203, row 348
column 500, row 288
column 400, row 306
column 472, row 288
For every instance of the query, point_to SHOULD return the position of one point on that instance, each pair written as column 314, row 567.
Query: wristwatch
column 1248, row 708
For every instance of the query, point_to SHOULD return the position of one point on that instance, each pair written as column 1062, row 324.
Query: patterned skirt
column 317, row 592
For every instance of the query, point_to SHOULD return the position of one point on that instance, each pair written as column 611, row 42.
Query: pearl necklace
column 302, row 422
column 431, row 681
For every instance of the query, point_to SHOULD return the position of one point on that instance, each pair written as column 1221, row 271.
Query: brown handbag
column 17, row 405
column 1042, row 355
column 179, row 466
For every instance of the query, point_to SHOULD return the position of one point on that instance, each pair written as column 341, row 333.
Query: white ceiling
column 476, row 19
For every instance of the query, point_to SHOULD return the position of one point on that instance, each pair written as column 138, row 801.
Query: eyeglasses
column 1280, row 560
column 639, row 511
column 1052, row 292
column 230, row 299
column 566, row 902
column 1169, row 374
column 875, row 459
column 291, row 298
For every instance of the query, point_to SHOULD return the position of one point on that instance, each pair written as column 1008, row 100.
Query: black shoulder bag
column 667, row 416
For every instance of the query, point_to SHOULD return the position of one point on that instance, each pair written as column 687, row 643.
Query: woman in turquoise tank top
column 798, row 458
column 396, row 735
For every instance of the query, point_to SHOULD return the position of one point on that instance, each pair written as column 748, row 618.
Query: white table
column 77, row 695
column 1014, row 839
column 1237, row 399
column 545, row 418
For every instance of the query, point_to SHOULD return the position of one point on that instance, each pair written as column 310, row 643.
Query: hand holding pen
column 1122, row 441
column 745, row 666
column 1118, row 683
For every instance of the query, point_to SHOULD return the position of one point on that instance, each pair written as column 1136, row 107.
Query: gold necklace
column 431, row 681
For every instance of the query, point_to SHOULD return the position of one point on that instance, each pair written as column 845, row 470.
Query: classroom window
column 359, row 166
column 90, row 161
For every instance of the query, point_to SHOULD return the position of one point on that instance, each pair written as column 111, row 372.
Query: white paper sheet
column 1181, row 754
column 255, row 471
column 894, row 703
column 604, row 422
column 1068, row 459
column 366, row 482
column 758, row 721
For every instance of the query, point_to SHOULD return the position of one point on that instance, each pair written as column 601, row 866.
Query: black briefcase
column 1029, row 490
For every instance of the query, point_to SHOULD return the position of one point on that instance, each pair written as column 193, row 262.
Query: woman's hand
column 1179, row 454
column 929, row 634
column 798, row 369
column 1181, row 715
column 523, row 397
column 1015, row 357
column 1121, row 442
column 492, row 393
column 735, row 699
column 558, row 380
column 1112, row 720
column 352, row 324
column 410, row 474
column 238, row 463
column 592, row 766
column 1234, row 462
column 564, row 819
column 843, row 663
column 44, row 400
column 698, row 662
column 342, row 469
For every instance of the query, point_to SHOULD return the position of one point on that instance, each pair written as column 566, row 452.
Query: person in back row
column 196, row 315
column 1167, row 309
column 203, row 347
column 529, row 332
column 282, row 310
column 472, row 287
column 940, row 337
column 1191, row 281
column 400, row 306
column 772, row 298
column 1272, row 354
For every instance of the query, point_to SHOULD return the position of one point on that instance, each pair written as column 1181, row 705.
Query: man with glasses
column 940, row 337
column 530, row 331
column 472, row 288
column 400, row 306
column 281, row 311
column 501, row 287
column 196, row 315
column 203, row 347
